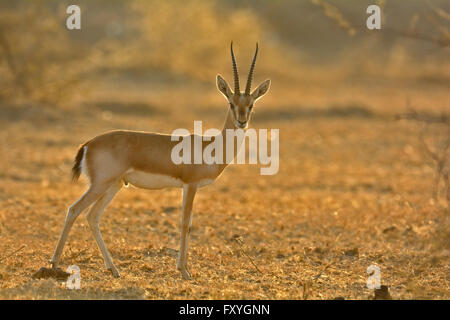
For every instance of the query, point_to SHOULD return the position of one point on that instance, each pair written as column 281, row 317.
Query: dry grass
column 352, row 190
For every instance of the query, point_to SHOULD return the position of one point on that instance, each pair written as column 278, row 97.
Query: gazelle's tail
column 76, row 169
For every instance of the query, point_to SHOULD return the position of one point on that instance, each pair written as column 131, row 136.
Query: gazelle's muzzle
column 241, row 124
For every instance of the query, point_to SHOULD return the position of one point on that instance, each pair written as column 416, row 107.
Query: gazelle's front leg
column 186, row 218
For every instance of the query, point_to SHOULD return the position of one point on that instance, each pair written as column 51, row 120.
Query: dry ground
column 353, row 190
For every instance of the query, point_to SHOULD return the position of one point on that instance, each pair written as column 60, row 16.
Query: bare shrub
column 436, row 19
column 39, row 60
column 188, row 38
column 434, row 141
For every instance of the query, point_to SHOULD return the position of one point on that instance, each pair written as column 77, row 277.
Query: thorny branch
column 239, row 242
column 439, row 153
column 441, row 39
column 13, row 253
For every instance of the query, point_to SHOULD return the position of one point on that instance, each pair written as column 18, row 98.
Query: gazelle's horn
column 250, row 73
column 235, row 72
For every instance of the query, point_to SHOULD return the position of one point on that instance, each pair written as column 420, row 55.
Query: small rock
column 319, row 250
column 382, row 293
column 46, row 273
column 169, row 251
column 390, row 229
column 169, row 209
column 352, row 252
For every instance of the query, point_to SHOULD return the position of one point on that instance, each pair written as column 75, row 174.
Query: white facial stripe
column 235, row 110
column 241, row 110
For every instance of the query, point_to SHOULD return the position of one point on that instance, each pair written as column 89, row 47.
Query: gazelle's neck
column 229, row 125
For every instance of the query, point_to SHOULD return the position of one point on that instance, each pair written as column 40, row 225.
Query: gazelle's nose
column 242, row 123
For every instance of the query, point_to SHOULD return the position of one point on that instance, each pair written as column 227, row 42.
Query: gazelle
column 143, row 159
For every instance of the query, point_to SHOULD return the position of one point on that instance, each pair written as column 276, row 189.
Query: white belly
column 146, row 180
column 204, row 182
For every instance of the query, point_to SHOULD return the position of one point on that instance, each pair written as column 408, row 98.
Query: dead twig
column 317, row 276
column 13, row 253
column 306, row 289
column 440, row 41
column 307, row 285
column 239, row 242
column 441, row 37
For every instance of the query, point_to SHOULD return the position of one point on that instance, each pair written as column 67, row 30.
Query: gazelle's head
column 241, row 103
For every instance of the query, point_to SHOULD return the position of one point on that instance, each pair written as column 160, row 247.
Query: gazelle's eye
column 231, row 106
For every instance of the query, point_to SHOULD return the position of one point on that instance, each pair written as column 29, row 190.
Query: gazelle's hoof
column 114, row 272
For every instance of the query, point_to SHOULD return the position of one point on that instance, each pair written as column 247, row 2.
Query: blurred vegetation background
column 303, row 43
column 355, row 186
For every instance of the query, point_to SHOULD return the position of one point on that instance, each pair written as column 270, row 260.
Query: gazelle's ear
column 223, row 87
column 261, row 90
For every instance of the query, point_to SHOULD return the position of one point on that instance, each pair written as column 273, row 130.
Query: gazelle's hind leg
column 93, row 218
column 92, row 194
